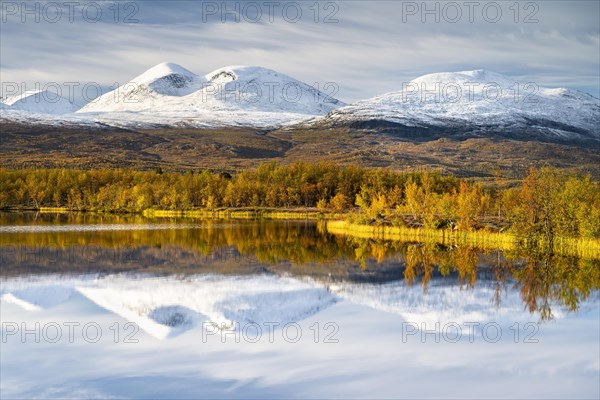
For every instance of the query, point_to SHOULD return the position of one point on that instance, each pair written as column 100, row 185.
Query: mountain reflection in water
column 33, row 244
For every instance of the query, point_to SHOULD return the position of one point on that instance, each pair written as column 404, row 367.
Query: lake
column 96, row 305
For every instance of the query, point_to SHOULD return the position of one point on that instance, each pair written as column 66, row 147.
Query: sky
column 366, row 48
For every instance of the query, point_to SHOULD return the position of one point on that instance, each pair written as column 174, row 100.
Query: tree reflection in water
column 299, row 248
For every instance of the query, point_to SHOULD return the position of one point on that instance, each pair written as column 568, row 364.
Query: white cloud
column 373, row 49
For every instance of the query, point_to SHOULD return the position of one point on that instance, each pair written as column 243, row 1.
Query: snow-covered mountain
column 39, row 102
column 231, row 96
column 477, row 103
column 460, row 104
column 154, row 90
column 167, row 306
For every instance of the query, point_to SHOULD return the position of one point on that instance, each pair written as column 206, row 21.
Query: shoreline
column 579, row 247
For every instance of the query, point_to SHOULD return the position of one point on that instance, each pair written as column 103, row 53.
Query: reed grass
column 579, row 247
column 54, row 210
column 239, row 214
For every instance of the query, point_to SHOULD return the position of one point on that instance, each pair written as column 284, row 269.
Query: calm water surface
column 100, row 306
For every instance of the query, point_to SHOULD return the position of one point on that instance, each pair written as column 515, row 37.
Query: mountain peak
column 480, row 73
column 236, row 95
column 479, row 102
column 480, row 76
column 162, row 70
column 40, row 101
column 244, row 73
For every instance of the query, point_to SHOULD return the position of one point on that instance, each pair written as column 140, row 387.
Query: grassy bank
column 581, row 247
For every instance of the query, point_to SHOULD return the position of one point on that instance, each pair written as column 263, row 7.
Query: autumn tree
column 468, row 205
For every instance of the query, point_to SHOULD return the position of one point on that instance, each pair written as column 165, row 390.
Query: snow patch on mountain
column 468, row 102
column 158, row 89
column 40, row 102
column 483, row 100
column 258, row 88
column 169, row 79
column 168, row 94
